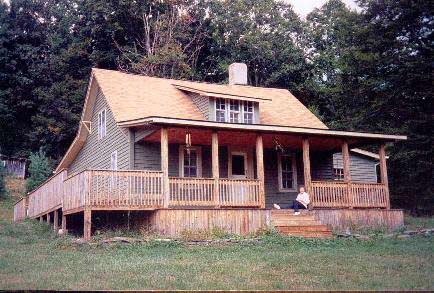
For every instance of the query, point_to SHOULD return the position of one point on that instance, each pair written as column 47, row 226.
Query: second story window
column 102, row 123
column 220, row 113
column 248, row 112
column 234, row 111
column 114, row 161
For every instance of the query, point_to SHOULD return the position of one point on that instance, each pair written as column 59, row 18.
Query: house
column 191, row 155
column 15, row 167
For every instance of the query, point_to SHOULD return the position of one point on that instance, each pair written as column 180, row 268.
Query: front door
column 238, row 165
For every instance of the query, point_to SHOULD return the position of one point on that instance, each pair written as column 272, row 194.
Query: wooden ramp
column 303, row 225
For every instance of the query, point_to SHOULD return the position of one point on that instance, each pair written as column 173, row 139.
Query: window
column 190, row 162
column 220, row 114
column 234, row 111
column 287, row 169
column 338, row 174
column 114, row 160
column 248, row 112
column 102, row 123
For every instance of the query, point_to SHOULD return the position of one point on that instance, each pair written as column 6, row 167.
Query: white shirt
column 303, row 198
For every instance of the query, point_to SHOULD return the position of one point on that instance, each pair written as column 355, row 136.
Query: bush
column 2, row 180
column 39, row 170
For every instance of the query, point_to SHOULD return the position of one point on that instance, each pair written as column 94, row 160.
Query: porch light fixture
column 277, row 146
column 188, row 141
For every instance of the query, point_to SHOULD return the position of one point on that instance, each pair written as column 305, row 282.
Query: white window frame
column 294, row 172
column 198, row 150
column 102, row 127
column 114, row 160
column 228, row 111
column 340, row 176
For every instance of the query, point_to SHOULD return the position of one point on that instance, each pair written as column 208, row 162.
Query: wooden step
column 309, row 234
column 313, row 228
column 284, row 222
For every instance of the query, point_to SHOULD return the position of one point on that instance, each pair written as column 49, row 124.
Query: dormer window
column 234, row 111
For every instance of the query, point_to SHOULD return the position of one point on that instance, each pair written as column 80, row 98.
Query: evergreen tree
column 39, row 170
column 2, row 180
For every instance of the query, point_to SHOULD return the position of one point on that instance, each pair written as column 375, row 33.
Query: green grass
column 32, row 257
column 415, row 223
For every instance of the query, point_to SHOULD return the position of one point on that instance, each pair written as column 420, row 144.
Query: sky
column 303, row 7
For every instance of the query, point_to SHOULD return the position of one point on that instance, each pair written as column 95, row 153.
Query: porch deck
column 144, row 190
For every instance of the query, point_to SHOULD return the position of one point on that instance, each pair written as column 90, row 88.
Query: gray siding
column 96, row 153
column 202, row 104
column 362, row 169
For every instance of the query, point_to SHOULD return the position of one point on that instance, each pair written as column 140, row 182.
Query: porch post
column 260, row 168
column 347, row 173
column 383, row 172
column 87, row 224
column 56, row 220
column 165, row 165
column 306, row 166
column 215, row 166
column 48, row 218
column 64, row 224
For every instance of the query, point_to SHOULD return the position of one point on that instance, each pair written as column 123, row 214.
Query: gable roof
column 133, row 97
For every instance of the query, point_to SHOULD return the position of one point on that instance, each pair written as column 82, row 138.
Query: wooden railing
column 47, row 196
column 239, row 193
column 338, row 194
column 192, row 192
column 20, row 210
column 202, row 192
column 113, row 189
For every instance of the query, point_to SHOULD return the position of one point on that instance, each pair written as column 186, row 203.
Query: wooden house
column 194, row 155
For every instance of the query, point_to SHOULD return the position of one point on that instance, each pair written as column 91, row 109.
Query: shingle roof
column 135, row 96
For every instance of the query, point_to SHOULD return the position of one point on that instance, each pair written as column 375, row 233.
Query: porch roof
column 263, row 128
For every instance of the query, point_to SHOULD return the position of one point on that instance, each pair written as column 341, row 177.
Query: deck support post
column 48, row 218
column 306, row 167
column 215, row 167
column 383, row 173
column 260, row 168
column 165, row 165
column 87, row 224
column 347, row 173
column 56, row 220
column 64, row 230
column 41, row 219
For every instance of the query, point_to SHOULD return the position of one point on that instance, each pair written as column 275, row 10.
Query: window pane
column 234, row 117
column 234, row 105
column 220, row 116
column 287, row 174
column 190, row 163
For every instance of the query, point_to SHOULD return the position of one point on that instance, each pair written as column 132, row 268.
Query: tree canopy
column 365, row 70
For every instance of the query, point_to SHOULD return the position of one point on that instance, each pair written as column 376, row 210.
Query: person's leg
column 295, row 206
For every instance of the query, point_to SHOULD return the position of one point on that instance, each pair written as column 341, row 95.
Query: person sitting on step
column 301, row 202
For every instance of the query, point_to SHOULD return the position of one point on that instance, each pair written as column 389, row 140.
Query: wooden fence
column 47, row 196
column 338, row 194
column 20, row 210
column 239, row 193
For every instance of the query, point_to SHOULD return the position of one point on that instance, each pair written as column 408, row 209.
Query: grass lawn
column 32, row 257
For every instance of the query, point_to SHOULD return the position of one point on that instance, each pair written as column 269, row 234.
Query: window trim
column 115, row 153
column 240, row 112
column 335, row 178
column 198, row 150
column 102, row 129
column 294, row 172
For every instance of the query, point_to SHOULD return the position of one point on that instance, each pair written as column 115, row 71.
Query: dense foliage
column 2, row 180
column 367, row 70
column 39, row 170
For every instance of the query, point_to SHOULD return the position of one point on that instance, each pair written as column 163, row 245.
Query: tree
column 2, row 180
column 39, row 170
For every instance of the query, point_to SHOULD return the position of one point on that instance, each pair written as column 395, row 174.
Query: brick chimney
column 238, row 73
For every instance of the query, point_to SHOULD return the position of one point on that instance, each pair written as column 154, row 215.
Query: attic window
column 102, row 124
column 234, row 111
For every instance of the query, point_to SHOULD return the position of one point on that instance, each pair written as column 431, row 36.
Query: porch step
column 303, row 225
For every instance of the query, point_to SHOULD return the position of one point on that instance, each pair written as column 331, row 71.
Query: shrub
column 2, row 180
column 39, row 170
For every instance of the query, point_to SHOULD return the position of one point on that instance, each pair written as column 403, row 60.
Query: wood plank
column 383, row 174
column 260, row 168
column 215, row 166
column 306, row 165
column 165, row 165
column 87, row 224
